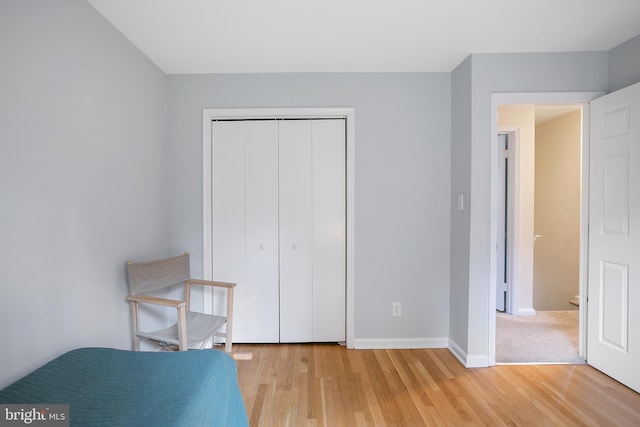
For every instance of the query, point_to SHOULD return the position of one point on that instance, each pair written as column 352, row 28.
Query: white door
column 245, row 223
column 329, row 230
column 296, row 232
column 261, row 202
column 228, row 183
column 613, row 344
column 279, row 215
column 312, row 230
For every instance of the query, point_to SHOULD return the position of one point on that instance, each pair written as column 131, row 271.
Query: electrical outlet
column 396, row 310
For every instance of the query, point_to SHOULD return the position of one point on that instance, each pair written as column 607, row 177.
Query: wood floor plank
column 329, row 385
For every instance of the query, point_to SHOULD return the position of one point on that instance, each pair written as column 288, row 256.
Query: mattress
column 109, row 387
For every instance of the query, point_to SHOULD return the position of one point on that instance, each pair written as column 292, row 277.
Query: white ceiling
column 236, row 36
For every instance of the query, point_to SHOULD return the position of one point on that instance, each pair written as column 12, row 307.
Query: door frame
column 513, row 216
column 347, row 113
column 541, row 98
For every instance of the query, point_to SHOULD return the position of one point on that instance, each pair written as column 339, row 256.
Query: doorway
column 520, row 298
column 539, row 151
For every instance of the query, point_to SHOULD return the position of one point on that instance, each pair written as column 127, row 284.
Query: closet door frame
column 211, row 114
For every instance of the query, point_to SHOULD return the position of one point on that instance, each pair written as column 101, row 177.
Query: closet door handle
column 294, row 247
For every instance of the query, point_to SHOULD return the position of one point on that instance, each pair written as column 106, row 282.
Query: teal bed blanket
column 109, row 387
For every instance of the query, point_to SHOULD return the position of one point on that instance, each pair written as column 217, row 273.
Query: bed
column 109, row 387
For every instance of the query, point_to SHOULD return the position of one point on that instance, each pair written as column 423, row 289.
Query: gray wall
column 501, row 73
column 401, row 182
column 82, row 170
column 460, row 184
column 624, row 64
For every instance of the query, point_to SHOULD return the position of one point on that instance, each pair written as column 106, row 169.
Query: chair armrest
column 211, row 283
column 155, row 300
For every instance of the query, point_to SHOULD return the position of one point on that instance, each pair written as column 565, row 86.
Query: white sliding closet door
column 329, row 231
column 245, row 223
column 312, row 230
column 279, row 215
column 228, row 199
column 261, row 194
column 296, row 232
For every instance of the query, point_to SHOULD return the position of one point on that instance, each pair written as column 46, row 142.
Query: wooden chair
column 192, row 329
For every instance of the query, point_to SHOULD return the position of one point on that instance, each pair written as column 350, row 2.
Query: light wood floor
column 328, row 385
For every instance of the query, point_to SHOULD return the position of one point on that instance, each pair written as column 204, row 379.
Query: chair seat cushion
column 200, row 327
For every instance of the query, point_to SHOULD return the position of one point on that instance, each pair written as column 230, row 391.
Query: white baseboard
column 526, row 312
column 477, row 361
column 469, row 361
column 458, row 352
column 399, row 343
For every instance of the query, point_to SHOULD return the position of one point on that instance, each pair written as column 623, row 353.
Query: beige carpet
column 547, row 337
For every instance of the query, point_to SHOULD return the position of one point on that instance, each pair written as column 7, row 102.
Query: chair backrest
column 149, row 276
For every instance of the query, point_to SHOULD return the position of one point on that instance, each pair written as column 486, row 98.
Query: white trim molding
column 525, row 312
column 399, row 343
column 347, row 113
column 468, row 361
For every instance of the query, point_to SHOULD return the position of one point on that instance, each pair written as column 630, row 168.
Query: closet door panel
column 261, row 162
column 228, row 183
column 329, row 231
column 279, row 215
column 296, row 245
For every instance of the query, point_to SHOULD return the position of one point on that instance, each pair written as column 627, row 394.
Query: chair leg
column 182, row 329
column 227, row 339
column 133, row 307
column 227, row 336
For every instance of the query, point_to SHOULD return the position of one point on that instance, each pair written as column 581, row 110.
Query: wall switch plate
column 460, row 202
column 397, row 309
